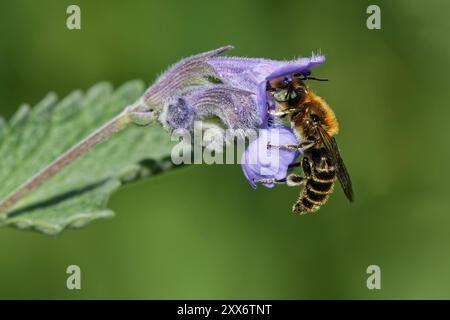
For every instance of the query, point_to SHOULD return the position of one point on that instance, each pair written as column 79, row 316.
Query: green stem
column 106, row 131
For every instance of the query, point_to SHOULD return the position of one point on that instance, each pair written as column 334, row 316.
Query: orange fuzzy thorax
column 324, row 111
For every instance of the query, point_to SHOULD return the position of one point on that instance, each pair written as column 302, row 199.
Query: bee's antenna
column 306, row 76
column 314, row 78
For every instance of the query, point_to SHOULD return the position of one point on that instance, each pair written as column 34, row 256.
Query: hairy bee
column 315, row 125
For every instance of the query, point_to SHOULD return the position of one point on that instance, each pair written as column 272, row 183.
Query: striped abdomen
column 319, row 185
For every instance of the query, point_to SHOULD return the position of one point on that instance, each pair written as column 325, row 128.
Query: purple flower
column 260, row 162
column 232, row 89
column 252, row 75
column 233, row 106
column 206, row 86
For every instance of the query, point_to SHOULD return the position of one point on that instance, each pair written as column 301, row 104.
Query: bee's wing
column 341, row 171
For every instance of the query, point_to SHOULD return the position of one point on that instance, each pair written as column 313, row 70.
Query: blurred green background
column 202, row 232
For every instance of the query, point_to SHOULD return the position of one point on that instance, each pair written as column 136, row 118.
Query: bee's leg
column 291, row 180
column 294, row 180
column 294, row 147
column 280, row 113
column 305, row 145
column 271, row 180
column 277, row 113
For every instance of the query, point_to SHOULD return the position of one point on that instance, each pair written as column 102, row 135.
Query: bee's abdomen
column 316, row 191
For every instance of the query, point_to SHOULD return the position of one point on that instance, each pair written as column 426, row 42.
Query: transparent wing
column 341, row 171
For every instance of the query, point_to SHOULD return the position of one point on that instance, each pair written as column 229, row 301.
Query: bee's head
column 287, row 89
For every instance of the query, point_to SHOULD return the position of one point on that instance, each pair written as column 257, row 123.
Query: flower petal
column 302, row 66
column 181, row 78
column 235, row 108
column 258, row 162
column 262, row 104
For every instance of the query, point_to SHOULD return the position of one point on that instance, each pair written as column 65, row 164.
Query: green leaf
column 79, row 194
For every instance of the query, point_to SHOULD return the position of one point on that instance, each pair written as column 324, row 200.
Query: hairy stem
column 81, row 148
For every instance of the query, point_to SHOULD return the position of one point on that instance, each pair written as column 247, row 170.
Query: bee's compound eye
column 298, row 93
column 293, row 95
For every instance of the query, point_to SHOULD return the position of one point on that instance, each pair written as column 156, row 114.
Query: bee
column 315, row 125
